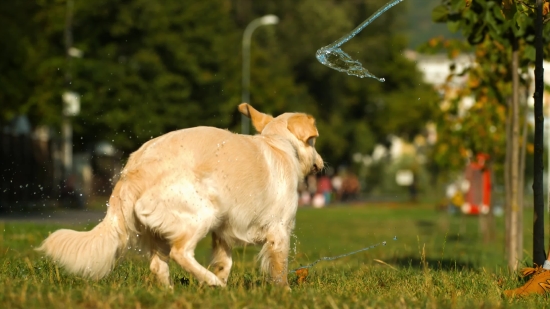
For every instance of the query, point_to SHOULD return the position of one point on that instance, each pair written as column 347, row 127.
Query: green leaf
column 497, row 13
column 494, row 26
column 530, row 52
column 509, row 8
column 458, row 5
column 453, row 26
column 520, row 23
column 440, row 14
column 478, row 34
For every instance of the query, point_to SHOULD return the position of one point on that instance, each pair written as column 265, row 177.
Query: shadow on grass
column 427, row 224
column 435, row 264
column 458, row 238
column 425, row 227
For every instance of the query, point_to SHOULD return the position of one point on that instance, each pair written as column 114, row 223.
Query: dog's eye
column 311, row 141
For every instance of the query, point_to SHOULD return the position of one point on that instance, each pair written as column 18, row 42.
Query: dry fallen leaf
column 302, row 275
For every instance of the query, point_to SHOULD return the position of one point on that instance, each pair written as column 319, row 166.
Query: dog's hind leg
column 176, row 212
column 160, row 257
column 183, row 252
column 274, row 256
column 221, row 258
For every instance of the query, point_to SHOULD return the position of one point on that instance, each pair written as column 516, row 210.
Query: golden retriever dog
column 180, row 186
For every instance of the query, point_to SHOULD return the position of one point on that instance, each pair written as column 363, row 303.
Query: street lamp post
column 265, row 20
column 67, row 130
column 71, row 100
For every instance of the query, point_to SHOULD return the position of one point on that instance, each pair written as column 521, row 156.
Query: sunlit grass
column 437, row 261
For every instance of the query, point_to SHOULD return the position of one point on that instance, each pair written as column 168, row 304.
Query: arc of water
column 333, row 57
column 326, row 258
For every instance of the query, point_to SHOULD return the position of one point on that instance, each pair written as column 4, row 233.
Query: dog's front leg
column 159, row 266
column 274, row 256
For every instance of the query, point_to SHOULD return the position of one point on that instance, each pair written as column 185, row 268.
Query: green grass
column 437, row 261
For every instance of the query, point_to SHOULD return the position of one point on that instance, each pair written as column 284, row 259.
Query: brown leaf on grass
column 302, row 275
column 528, row 271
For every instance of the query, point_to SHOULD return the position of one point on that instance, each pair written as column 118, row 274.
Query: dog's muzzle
column 315, row 169
column 318, row 165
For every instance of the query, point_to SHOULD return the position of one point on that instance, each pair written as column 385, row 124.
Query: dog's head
column 299, row 127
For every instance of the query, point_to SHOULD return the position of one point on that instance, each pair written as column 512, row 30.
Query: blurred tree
column 353, row 114
column 148, row 68
column 503, row 33
column 24, row 62
column 163, row 66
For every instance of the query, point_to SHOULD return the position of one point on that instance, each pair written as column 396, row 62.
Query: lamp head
column 269, row 20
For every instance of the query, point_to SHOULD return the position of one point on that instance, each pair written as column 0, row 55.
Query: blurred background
column 85, row 83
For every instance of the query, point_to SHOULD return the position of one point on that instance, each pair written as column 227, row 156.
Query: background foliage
column 148, row 68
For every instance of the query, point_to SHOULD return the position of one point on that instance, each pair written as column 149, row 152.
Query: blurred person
column 336, row 183
column 350, row 187
column 311, row 185
column 318, row 201
column 304, row 197
column 455, row 198
column 324, row 187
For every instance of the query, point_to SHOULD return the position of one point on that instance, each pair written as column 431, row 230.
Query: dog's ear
column 259, row 120
column 303, row 127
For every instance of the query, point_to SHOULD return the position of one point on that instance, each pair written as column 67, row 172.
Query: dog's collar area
column 296, row 154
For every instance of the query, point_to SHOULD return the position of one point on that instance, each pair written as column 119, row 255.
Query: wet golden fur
column 181, row 186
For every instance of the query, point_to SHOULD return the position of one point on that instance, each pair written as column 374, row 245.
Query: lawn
column 437, row 261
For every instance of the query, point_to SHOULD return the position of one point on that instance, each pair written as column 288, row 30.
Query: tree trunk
column 507, row 180
column 538, row 199
column 515, row 252
column 521, row 182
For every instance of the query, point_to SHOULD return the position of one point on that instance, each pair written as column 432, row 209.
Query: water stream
column 326, row 258
column 334, row 57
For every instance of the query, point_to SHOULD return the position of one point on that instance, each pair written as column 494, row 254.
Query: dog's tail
column 93, row 254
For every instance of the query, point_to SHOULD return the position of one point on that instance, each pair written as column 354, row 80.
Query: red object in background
column 478, row 196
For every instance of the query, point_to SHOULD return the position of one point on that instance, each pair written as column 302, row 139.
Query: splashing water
column 326, row 258
column 333, row 57
column 293, row 250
